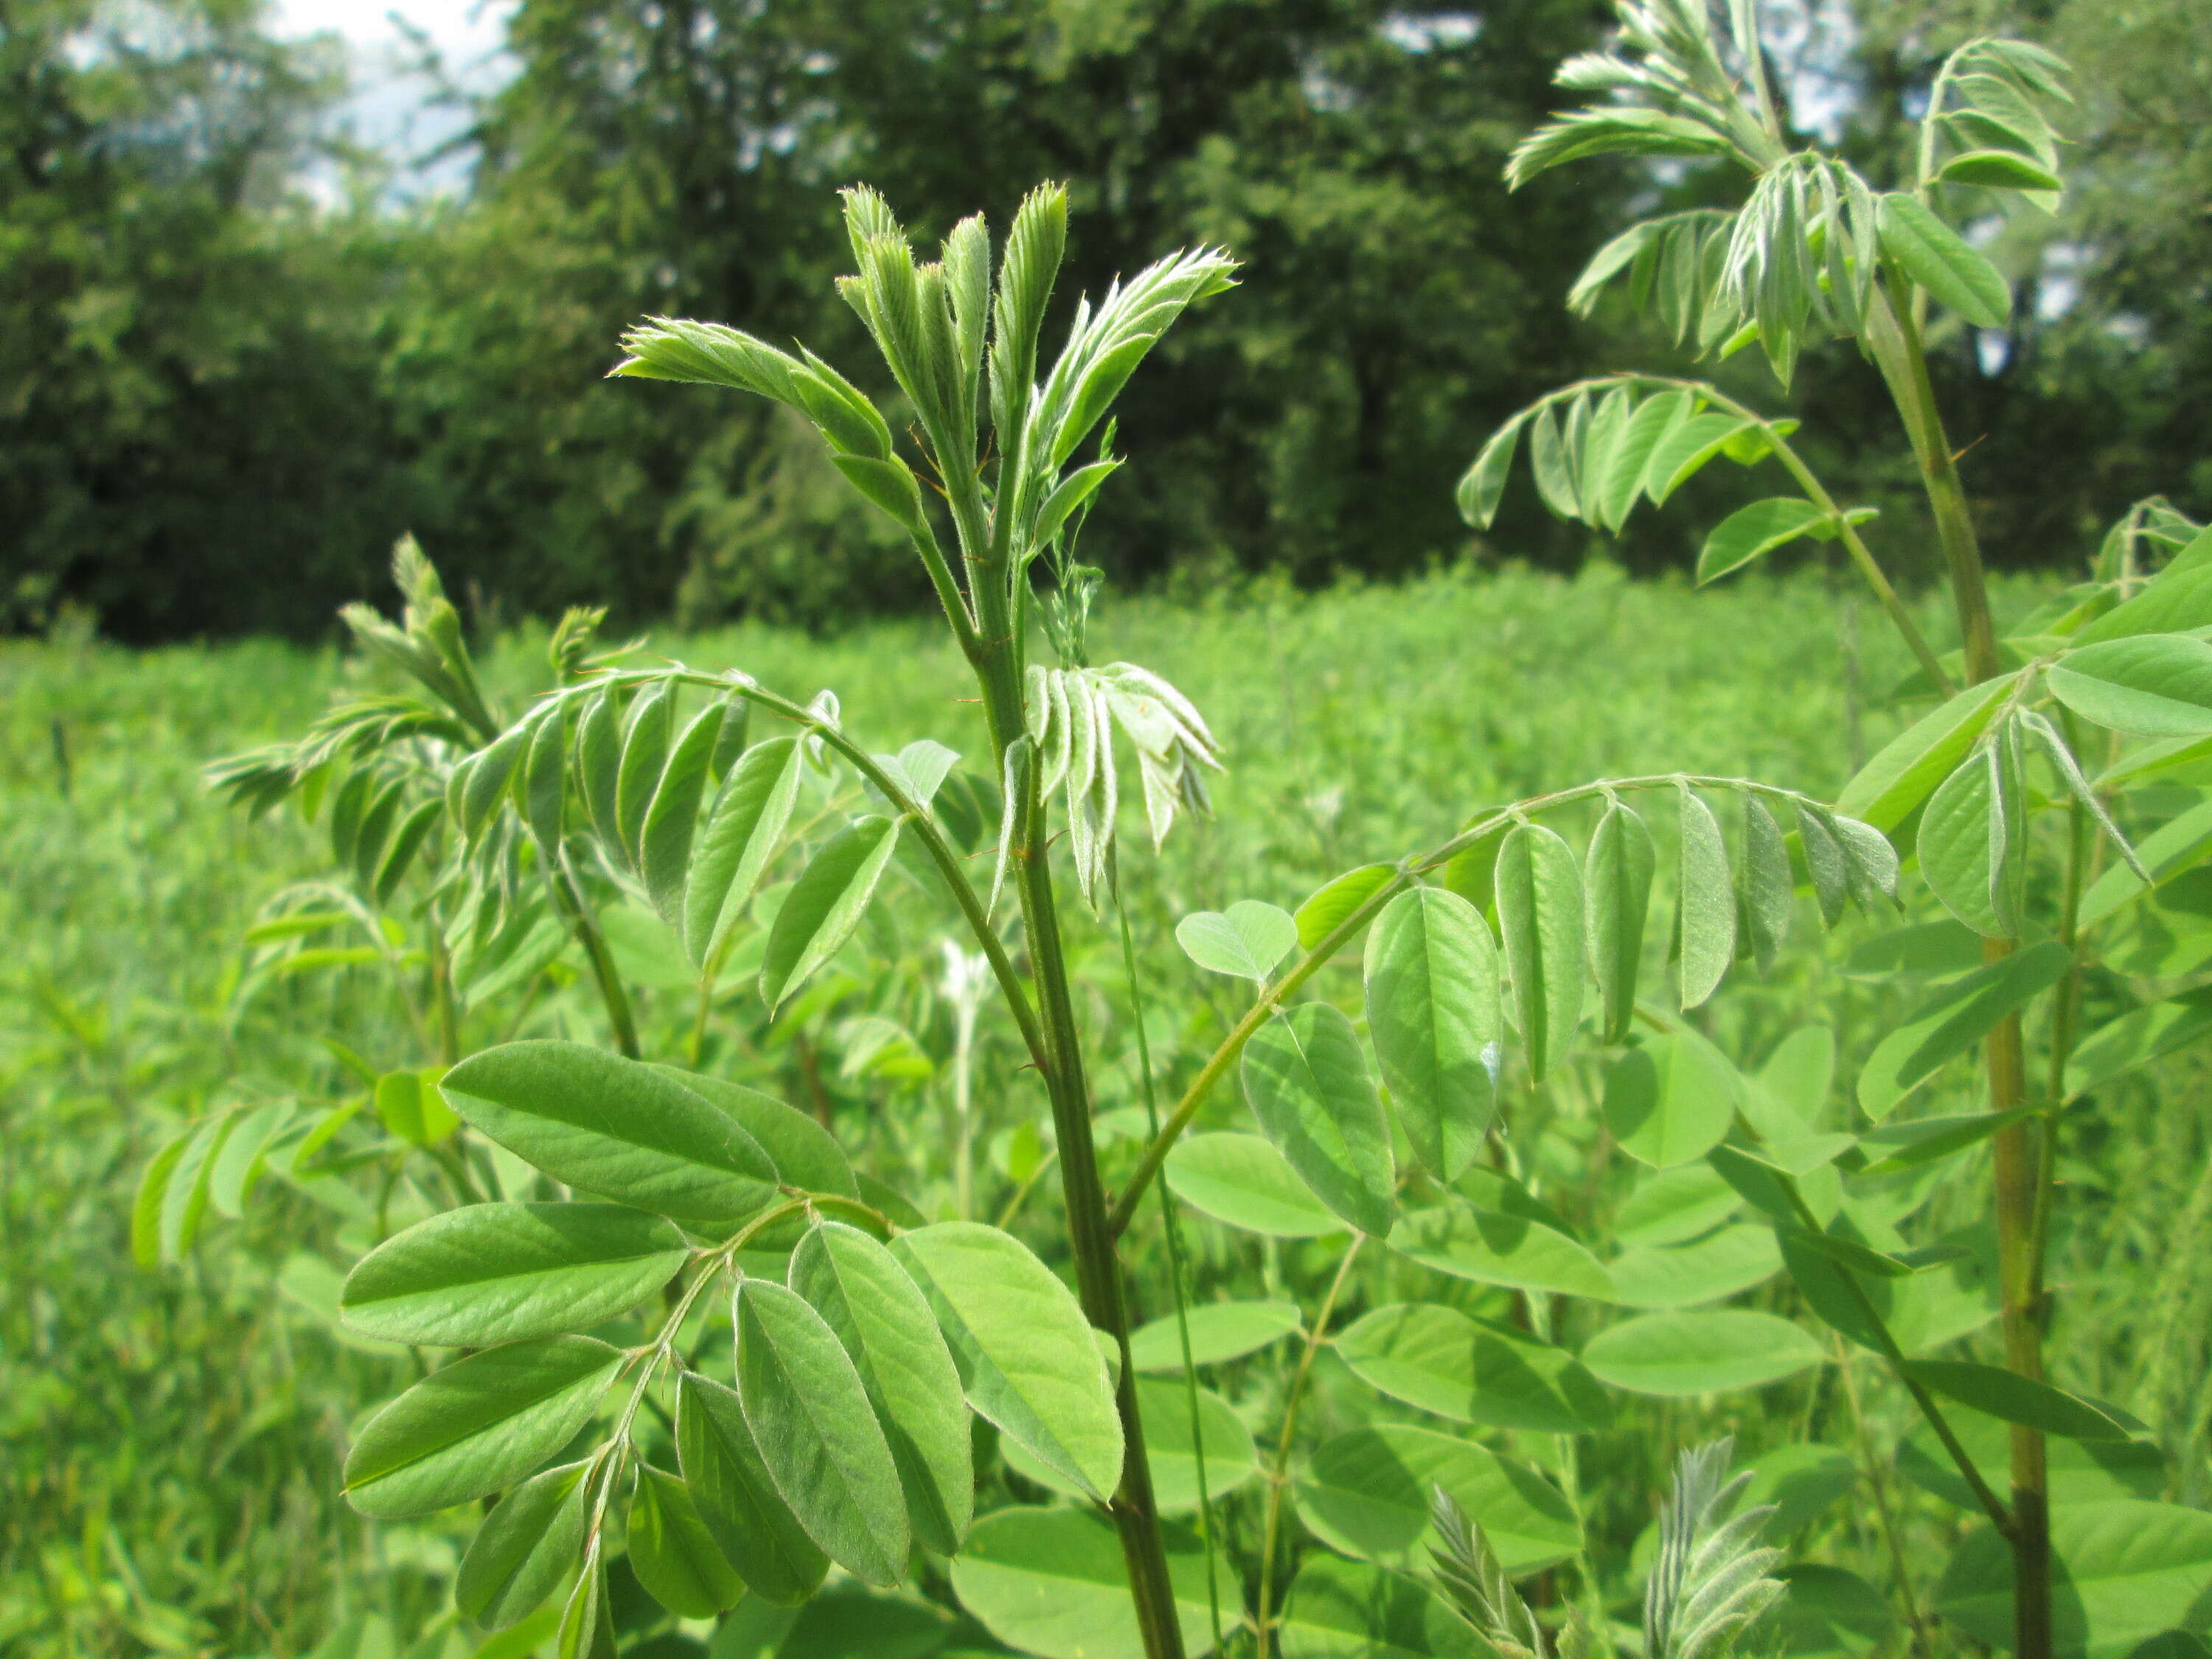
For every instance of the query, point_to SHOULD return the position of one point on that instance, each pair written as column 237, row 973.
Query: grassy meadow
column 170, row 1437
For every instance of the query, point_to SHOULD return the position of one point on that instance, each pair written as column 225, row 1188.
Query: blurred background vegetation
column 241, row 353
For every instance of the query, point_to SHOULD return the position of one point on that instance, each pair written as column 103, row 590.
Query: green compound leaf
column 1684, row 1275
column 743, row 830
column 1306, row 1081
column 805, row 1155
column 1539, row 912
column 2150, row 685
column 1706, row 1351
column 1434, row 1016
column 1673, row 1205
column 1051, row 1582
column 2078, row 1472
column 1471, row 1370
column 1027, row 1358
column 479, row 1425
column 736, row 1496
column 2016, row 1398
column 885, row 1325
column 1685, row 452
column 599, row 760
column 1655, row 420
column 1231, row 1459
column 1751, row 530
column 1998, row 169
column 811, row 1422
column 1952, row 1021
column 586, row 1629
column 614, row 1127
column 825, row 904
column 1492, row 1247
column 1767, row 889
column 1341, row 1609
column 1333, row 902
column 493, row 1272
column 644, row 754
column 1219, row 1331
column 1706, row 901
column 672, row 820
column 1974, row 840
column 1670, row 1100
column 525, row 1547
column 2122, row 1571
column 1243, row 1182
column 1617, row 890
column 1483, row 482
column 1906, row 770
column 1369, row 1493
column 1244, row 941
column 673, row 1554
column 1937, row 257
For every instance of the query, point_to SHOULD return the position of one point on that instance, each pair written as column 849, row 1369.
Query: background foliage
column 223, row 393
column 170, row 1440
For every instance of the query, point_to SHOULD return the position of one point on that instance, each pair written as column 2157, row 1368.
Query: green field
column 170, row 1437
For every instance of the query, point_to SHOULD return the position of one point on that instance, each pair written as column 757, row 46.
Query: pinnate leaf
column 1027, row 1360
column 1938, row 259
column 1540, row 913
column 494, row 1273
column 1245, row 941
column 1306, row 1081
column 477, row 1425
column 673, row 1554
column 736, row 1497
column 886, row 1329
column 825, row 904
column 1751, row 530
column 614, row 1127
column 1434, row 1015
column 810, row 1420
column 525, row 1547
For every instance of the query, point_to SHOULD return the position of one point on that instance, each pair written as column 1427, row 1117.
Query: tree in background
column 667, row 159
column 187, row 356
column 210, row 384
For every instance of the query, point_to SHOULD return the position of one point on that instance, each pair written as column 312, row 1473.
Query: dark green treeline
column 221, row 397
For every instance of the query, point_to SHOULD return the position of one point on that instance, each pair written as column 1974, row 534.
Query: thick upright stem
column 1097, row 1271
column 1896, row 344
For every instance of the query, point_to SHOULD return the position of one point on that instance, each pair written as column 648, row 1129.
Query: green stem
column 1175, row 1269
column 1898, row 352
column 1885, row 1516
column 1090, row 1239
column 1278, row 1474
column 1886, row 1345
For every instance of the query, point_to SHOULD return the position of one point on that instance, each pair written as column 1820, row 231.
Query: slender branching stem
column 1345, row 932
column 1173, row 1232
column 1877, row 1479
column 1861, row 557
column 1887, row 1344
column 1278, row 1471
column 568, row 895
